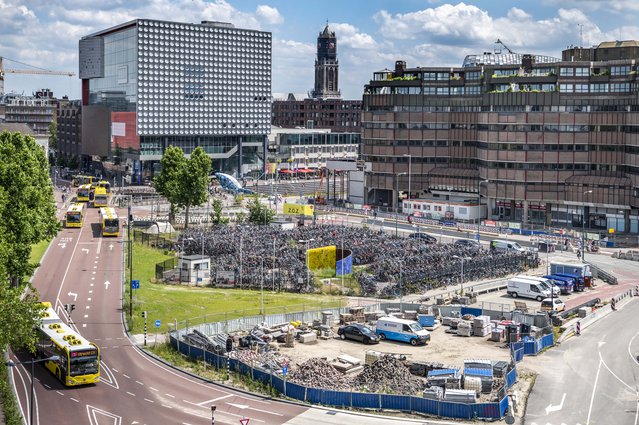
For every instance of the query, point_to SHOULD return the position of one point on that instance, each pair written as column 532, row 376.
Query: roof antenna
column 581, row 35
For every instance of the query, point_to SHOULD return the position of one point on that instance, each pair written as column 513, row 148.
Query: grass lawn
column 37, row 251
column 199, row 305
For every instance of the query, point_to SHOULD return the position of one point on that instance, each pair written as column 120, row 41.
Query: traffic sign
column 285, row 370
column 244, row 421
column 158, row 323
column 477, row 236
column 135, row 284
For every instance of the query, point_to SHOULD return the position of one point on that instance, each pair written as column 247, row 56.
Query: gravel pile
column 388, row 375
column 318, row 373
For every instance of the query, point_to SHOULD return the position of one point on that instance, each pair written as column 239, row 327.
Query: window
column 428, row 90
column 599, row 88
column 580, row 88
column 475, row 75
column 442, row 91
column 473, row 90
column 620, row 70
column 430, row 76
column 566, row 72
column 620, row 87
column 582, row 72
column 456, row 91
column 566, row 88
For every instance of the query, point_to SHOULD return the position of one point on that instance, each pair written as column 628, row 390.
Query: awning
column 304, row 170
column 286, row 171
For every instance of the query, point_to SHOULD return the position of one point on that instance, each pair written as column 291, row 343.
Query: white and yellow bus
column 100, row 197
column 84, row 192
column 110, row 222
column 74, row 215
column 78, row 359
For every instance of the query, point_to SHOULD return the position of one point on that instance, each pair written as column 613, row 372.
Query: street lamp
column 308, row 269
column 479, row 208
column 12, row 363
column 397, row 198
column 462, row 269
column 410, row 161
column 583, row 226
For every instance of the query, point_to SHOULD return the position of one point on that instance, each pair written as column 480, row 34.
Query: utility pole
column 130, row 259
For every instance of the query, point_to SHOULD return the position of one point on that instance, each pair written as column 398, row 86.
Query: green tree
column 216, row 215
column 258, row 212
column 30, row 217
column 53, row 136
column 194, row 183
column 167, row 182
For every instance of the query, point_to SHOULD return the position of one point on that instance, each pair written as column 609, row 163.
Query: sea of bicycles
column 384, row 264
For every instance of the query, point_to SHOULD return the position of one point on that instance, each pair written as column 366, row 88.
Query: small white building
column 441, row 209
column 195, row 269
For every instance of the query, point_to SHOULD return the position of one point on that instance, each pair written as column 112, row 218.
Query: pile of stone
column 318, row 373
column 389, row 375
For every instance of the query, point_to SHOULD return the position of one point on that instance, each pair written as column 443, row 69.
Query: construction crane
column 505, row 47
column 37, row 71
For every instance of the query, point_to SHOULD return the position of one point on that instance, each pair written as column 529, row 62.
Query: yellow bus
column 110, row 222
column 74, row 215
column 80, row 180
column 100, row 197
column 78, row 359
column 105, row 184
column 83, row 193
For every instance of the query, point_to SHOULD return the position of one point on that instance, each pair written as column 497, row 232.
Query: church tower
column 326, row 67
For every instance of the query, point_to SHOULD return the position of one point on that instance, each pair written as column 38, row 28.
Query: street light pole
column 479, row 208
column 11, row 363
column 583, row 226
column 397, row 198
column 129, row 219
column 262, row 290
column 410, row 162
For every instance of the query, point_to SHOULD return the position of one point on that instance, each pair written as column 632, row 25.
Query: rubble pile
column 318, row 373
column 388, row 375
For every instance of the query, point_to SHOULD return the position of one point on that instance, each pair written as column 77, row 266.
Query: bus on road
column 84, row 192
column 74, row 215
column 106, row 185
column 78, row 359
column 110, row 222
column 100, row 197
column 79, row 180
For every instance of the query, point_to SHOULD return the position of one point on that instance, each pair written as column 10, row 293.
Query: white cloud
column 350, row 36
column 269, row 15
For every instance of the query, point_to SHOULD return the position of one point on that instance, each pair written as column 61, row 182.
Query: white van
column 527, row 289
column 390, row 327
column 544, row 281
column 502, row 245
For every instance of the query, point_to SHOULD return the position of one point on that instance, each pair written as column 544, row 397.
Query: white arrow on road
column 552, row 408
column 85, row 250
column 74, row 295
column 62, row 244
column 600, row 343
column 106, row 284
column 110, row 247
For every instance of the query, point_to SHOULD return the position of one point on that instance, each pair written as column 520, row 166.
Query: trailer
column 580, row 271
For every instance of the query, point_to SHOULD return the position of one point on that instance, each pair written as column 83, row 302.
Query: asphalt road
column 592, row 379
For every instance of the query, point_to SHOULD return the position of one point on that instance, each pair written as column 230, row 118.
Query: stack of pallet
column 373, row 315
column 481, row 326
column 410, row 315
column 357, row 313
column 327, row 318
column 446, row 378
column 465, row 328
column 345, row 318
column 500, row 368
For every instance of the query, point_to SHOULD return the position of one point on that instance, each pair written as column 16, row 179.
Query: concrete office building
column 37, row 111
column 325, row 107
column 69, row 120
column 148, row 84
column 543, row 141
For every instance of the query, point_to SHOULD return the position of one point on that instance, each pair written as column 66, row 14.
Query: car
column 358, row 332
column 423, row 237
column 467, row 243
column 553, row 305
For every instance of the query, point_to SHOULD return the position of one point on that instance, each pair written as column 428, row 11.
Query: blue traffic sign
column 285, row 370
column 135, row 284
column 477, row 236
column 157, row 323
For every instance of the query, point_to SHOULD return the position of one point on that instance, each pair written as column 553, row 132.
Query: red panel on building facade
column 130, row 139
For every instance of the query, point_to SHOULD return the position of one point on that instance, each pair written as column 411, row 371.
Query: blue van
column 390, row 327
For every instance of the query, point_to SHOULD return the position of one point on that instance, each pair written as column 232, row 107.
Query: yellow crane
column 38, row 71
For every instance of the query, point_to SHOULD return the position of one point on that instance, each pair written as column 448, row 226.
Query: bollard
column 613, row 305
column 578, row 328
column 213, row 408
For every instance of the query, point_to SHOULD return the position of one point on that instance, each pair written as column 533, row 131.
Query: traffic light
column 144, row 315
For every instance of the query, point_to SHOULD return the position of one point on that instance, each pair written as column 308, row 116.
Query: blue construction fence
column 529, row 346
column 344, row 399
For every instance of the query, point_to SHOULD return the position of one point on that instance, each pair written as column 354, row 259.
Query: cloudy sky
column 371, row 34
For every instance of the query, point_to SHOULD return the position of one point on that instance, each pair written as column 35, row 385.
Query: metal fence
column 530, row 346
column 154, row 240
column 348, row 399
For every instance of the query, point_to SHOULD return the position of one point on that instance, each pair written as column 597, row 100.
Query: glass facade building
column 186, row 85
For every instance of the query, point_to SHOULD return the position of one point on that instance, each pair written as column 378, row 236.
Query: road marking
column 93, row 272
column 138, row 382
column 106, row 284
column 88, row 307
column 47, row 386
column 126, row 376
column 220, row 398
column 95, row 267
column 167, row 406
column 552, row 408
column 88, row 299
column 60, row 392
column 150, row 401
column 115, row 370
column 108, row 378
column 99, row 246
column 594, row 388
column 153, row 389
column 93, row 412
column 92, row 284
column 130, row 393
column 93, row 278
column 71, row 398
column 66, row 272
column 96, row 262
column 90, row 291
column 84, row 325
column 86, row 315
column 634, row 359
column 86, row 251
column 244, row 406
column 633, row 390
column 169, row 395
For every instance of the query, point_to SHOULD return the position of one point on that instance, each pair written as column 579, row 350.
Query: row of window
column 503, row 108
column 552, row 128
column 598, row 88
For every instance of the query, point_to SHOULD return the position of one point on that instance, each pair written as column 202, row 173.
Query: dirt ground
column 451, row 350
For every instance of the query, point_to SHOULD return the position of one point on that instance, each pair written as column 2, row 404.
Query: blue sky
column 372, row 34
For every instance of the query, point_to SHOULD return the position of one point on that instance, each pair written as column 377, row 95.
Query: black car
column 358, row 332
column 424, row 237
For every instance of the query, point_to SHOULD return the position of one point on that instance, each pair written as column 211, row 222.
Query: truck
column 574, row 269
column 392, row 328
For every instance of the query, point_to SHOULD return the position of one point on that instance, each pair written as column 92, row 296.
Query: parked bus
column 74, row 215
column 110, row 222
column 80, row 180
column 78, row 360
column 100, row 197
column 84, row 192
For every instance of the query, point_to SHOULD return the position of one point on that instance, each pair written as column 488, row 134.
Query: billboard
column 299, row 209
column 322, row 258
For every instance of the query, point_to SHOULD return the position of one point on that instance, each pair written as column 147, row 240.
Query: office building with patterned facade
column 324, row 108
column 148, row 84
column 541, row 141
